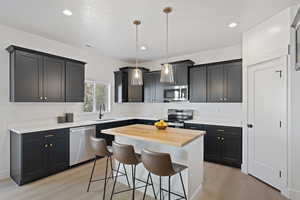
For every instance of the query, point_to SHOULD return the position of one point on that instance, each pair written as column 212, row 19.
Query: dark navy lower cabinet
column 39, row 154
column 222, row 144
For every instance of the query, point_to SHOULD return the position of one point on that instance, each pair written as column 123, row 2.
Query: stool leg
column 92, row 173
column 105, row 180
column 182, row 186
column 152, row 186
column 146, row 186
column 111, row 168
column 160, row 188
column 133, row 169
column 126, row 175
column 113, row 190
column 169, row 187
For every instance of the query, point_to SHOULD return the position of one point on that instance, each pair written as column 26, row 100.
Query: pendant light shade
column 136, row 74
column 167, row 74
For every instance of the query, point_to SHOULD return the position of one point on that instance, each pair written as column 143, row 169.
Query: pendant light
column 137, row 74
column 167, row 74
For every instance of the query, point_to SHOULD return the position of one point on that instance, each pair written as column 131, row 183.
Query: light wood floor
column 220, row 183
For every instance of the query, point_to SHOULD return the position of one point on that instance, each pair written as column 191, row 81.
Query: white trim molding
column 4, row 174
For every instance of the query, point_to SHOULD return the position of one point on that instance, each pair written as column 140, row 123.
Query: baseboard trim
column 294, row 194
column 4, row 174
column 286, row 193
column 244, row 169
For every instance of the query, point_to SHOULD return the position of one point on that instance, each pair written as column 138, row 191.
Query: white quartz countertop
column 235, row 123
column 37, row 128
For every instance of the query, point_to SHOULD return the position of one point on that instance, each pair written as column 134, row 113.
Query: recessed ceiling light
column 67, row 12
column 143, row 47
column 232, row 25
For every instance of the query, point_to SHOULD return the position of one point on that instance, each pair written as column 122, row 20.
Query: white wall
column 21, row 114
column 267, row 41
column 294, row 156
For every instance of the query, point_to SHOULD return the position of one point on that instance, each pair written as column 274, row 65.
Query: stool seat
column 178, row 168
column 161, row 165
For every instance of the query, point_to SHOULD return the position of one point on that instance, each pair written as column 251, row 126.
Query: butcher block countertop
column 171, row 136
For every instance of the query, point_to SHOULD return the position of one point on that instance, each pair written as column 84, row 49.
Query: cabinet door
column 215, row 83
column 34, row 157
column 233, row 82
column 54, row 79
column 181, row 74
column 26, row 77
column 212, row 147
column 74, row 82
column 159, row 88
column 58, row 151
column 149, row 88
column 197, row 84
column 232, row 150
column 135, row 92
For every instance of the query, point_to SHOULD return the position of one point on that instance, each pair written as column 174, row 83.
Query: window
column 96, row 94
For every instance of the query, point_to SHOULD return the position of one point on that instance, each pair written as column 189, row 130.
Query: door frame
column 284, row 60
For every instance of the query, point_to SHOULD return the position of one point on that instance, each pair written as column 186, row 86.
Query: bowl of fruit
column 161, row 125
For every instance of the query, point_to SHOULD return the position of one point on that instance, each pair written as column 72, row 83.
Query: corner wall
column 22, row 114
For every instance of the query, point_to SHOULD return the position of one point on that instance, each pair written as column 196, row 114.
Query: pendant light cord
column 167, row 39
column 136, row 47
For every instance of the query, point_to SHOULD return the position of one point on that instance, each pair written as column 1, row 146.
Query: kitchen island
column 184, row 146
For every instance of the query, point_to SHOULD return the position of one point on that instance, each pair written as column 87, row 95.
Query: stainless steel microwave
column 176, row 93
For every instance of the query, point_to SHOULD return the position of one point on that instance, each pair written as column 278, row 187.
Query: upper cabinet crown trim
column 12, row 48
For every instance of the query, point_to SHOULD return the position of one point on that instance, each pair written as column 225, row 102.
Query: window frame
column 108, row 104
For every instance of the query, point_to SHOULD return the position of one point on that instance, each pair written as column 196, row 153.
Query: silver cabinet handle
column 220, row 130
column 47, row 136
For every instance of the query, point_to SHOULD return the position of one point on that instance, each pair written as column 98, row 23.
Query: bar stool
column 161, row 165
column 125, row 154
column 101, row 149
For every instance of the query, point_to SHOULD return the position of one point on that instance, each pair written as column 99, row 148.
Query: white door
column 267, row 113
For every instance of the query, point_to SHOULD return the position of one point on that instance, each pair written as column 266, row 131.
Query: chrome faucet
column 102, row 109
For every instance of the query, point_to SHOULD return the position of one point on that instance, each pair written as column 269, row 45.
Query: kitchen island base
column 190, row 155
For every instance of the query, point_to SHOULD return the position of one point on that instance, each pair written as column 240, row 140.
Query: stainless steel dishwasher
column 80, row 148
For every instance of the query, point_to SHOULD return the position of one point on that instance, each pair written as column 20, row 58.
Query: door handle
column 250, row 125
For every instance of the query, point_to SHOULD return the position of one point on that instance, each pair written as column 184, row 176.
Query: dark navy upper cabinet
column 53, row 79
column 180, row 70
column 224, row 81
column 197, row 84
column 41, row 77
column 124, row 90
column 153, row 88
column 74, row 82
column 233, row 81
column 25, row 82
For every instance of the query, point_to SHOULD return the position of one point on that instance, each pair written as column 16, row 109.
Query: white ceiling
column 195, row 25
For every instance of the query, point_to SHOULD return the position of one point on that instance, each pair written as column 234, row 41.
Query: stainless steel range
column 176, row 117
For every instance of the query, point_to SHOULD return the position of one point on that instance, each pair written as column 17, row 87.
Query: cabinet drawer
column 194, row 126
column 237, row 131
